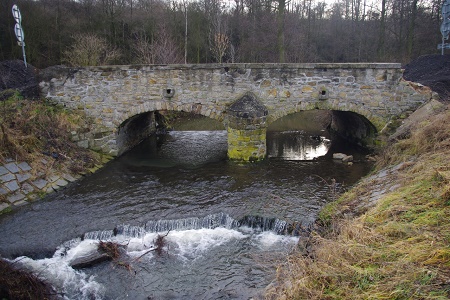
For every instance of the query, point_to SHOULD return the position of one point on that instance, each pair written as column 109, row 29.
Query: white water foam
column 185, row 245
column 193, row 243
column 69, row 283
column 269, row 240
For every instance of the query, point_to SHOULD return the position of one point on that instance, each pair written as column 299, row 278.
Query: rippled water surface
column 180, row 179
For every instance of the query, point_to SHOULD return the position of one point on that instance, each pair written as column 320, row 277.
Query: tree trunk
column 280, row 32
column 411, row 29
column 382, row 33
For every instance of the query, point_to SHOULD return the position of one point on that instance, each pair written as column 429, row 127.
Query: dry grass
column 399, row 249
column 31, row 130
column 19, row 284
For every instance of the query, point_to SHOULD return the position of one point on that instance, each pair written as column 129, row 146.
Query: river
column 228, row 225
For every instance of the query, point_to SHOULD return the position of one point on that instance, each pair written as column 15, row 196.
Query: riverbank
column 388, row 237
column 37, row 153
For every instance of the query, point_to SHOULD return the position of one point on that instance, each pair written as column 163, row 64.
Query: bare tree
column 218, row 37
column 165, row 50
column 90, row 50
column 219, row 47
column 143, row 50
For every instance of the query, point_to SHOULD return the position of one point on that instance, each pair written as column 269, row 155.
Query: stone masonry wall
column 20, row 184
column 113, row 94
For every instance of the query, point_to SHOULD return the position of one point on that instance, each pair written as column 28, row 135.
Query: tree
column 90, row 50
column 143, row 50
column 411, row 28
column 219, row 46
column 280, row 31
column 162, row 50
column 382, row 33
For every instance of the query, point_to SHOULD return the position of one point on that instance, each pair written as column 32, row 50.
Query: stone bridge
column 245, row 97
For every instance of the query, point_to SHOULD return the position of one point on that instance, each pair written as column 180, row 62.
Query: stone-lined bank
column 20, row 183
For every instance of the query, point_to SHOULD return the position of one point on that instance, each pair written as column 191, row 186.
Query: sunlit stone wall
column 113, row 94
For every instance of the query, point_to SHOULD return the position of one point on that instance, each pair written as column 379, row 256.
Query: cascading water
column 188, row 243
column 227, row 226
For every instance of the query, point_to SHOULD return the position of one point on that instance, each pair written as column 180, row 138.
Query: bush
column 90, row 50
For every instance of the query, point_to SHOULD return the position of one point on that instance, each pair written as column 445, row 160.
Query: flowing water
column 227, row 225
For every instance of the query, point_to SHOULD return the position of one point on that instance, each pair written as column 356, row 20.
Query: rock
column 49, row 190
column 12, row 186
column 3, row 206
column 24, row 166
column 15, row 197
column 40, row 183
column 7, row 177
column 3, row 191
column 54, row 186
column 12, row 167
column 343, row 157
column 20, row 202
column 53, row 178
column 61, row 182
column 3, row 170
column 347, row 158
column 339, row 156
column 68, row 177
column 22, row 177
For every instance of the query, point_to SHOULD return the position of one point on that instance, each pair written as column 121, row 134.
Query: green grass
column 398, row 248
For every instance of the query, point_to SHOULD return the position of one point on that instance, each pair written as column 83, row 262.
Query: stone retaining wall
column 20, row 183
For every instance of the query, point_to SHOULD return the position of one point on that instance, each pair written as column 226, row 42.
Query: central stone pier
column 247, row 126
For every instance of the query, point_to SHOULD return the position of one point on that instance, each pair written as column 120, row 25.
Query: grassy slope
column 389, row 237
column 34, row 130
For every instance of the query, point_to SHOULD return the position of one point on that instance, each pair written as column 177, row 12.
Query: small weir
column 209, row 222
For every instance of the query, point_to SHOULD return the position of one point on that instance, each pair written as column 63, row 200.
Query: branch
column 159, row 244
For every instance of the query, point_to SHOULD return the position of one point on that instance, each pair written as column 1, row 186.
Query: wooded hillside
column 87, row 32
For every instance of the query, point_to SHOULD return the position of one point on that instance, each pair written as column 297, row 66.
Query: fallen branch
column 159, row 245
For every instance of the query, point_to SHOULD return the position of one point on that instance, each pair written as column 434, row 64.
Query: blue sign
column 445, row 26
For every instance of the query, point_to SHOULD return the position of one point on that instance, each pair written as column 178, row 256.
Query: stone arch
column 139, row 122
column 377, row 121
column 354, row 124
column 216, row 112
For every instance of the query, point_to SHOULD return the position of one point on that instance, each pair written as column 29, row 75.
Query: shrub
column 90, row 50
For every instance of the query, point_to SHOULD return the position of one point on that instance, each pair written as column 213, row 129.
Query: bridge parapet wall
column 113, row 94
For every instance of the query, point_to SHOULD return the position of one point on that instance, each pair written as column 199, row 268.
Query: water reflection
column 296, row 145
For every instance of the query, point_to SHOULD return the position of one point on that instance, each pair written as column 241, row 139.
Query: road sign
column 16, row 14
column 443, row 46
column 19, row 33
column 445, row 26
